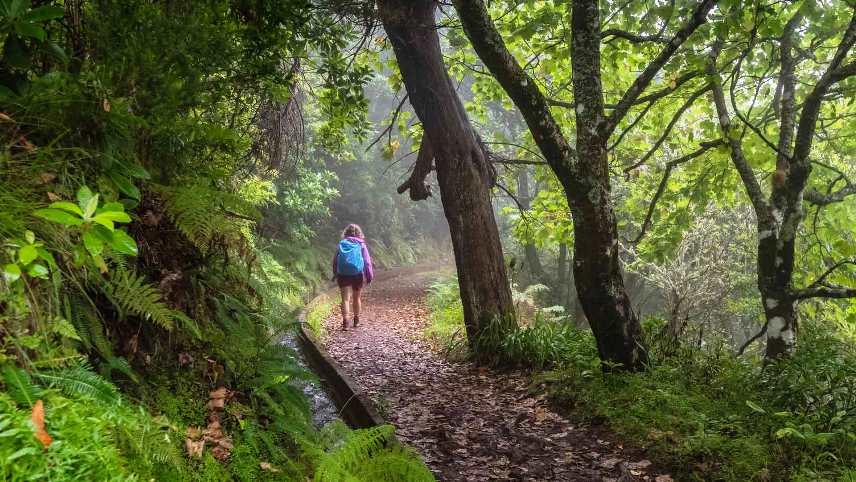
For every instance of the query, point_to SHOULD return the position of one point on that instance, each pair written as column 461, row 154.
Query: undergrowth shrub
column 705, row 413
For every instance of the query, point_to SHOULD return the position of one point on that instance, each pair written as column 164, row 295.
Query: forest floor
column 468, row 423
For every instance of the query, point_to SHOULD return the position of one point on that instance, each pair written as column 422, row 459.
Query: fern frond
column 20, row 386
column 87, row 323
column 81, row 381
column 395, row 465
column 131, row 293
column 199, row 211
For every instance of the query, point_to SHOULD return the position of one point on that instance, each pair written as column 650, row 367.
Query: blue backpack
column 350, row 260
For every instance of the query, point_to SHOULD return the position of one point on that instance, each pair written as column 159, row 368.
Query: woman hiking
column 352, row 270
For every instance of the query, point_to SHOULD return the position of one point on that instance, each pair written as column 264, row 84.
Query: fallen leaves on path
column 468, row 423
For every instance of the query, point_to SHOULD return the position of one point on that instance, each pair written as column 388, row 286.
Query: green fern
column 87, row 323
column 369, row 455
column 201, row 213
column 130, row 293
column 395, row 465
column 20, row 386
column 81, row 381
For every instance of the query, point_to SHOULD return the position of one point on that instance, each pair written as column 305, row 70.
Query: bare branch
column 699, row 16
column 388, row 128
column 753, row 339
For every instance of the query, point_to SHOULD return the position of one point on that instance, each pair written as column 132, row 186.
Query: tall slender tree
column 583, row 171
column 464, row 172
column 780, row 213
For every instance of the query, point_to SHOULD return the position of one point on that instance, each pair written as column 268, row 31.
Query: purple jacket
column 368, row 270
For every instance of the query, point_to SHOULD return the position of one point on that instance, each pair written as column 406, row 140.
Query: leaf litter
column 469, row 423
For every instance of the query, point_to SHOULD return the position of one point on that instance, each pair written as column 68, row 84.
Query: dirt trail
column 469, row 424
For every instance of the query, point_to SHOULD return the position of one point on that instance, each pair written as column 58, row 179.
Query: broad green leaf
column 27, row 254
column 67, row 206
column 58, row 216
column 91, row 206
column 93, row 243
column 111, row 206
column 47, row 256
column 132, row 168
column 115, row 216
column 41, row 14
column 26, row 29
column 755, row 407
column 11, row 272
column 83, row 196
column 124, row 185
column 123, row 243
column 30, row 237
column 16, row 53
column 99, row 262
column 104, row 222
column 37, row 270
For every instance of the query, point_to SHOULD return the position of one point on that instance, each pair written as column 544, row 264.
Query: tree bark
column 597, row 268
column 464, row 174
column 779, row 217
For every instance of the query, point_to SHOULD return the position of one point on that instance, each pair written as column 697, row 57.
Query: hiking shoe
column 356, row 321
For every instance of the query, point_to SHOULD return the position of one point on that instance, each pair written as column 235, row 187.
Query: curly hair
column 353, row 230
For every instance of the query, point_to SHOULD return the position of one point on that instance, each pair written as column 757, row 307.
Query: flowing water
column 323, row 408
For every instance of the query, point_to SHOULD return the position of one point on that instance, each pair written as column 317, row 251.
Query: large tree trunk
column 597, row 267
column 463, row 170
column 583, row 173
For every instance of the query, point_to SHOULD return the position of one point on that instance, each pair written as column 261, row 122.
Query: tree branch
column 669, row 128
column 800, row 166
column 632, row 37
column 699, row 16
column 838, row 292
column 662, row 187
column 750, row 182
column 419, row 189
column 819, row 199
column 522, row 89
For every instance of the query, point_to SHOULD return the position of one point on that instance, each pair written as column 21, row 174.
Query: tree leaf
column 37, row 270
column 91, row 206
column 30, row 237
column 93, row 243
column 115, row 216
column 67, row 206
column 58, row 216
column 27, row 254
column 11, row 272
column 27, row 29
column 755, row 407
column 123, row 243
column 41, row 14
column 83, row 196
column 124, row 185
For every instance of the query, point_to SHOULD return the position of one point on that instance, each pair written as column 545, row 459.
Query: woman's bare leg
column 346, row 301
column 357, row 305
